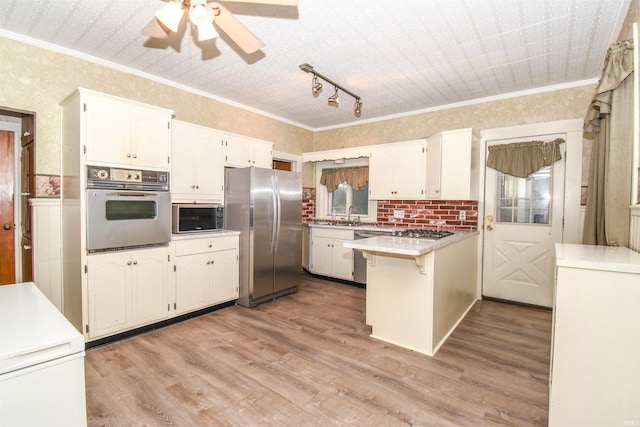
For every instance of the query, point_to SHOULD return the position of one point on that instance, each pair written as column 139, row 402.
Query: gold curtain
column 609, row 121
column 520, row 159
column 357, row 177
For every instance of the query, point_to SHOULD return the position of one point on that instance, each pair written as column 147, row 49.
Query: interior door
column 523, row 220
column 7, row 220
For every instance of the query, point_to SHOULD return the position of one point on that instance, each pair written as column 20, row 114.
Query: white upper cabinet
column 452, row 165
column 119, row 132
column 397, row 171
column 197, row 167
column 241, row 152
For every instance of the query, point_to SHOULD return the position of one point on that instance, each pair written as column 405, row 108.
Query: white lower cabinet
column 206, row 272
column 328, row 256
column 126, row 290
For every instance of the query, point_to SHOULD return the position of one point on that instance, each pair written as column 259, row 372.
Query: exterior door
column 7, row 220
column 523, row 220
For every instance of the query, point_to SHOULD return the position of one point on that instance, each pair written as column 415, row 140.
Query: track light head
column 316, row 86
column 357, row 109
column 334, row 100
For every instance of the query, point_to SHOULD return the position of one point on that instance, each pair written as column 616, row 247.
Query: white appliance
column 41, row 362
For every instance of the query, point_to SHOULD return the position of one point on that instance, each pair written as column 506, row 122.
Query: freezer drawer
column 49, row 394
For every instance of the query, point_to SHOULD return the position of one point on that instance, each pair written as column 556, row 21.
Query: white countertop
column 405, row 245
column 594, row 257
column 204, row 235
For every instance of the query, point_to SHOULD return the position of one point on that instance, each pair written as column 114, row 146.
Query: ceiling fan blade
column 274, row 2
column 156, row 30
column 240, row 34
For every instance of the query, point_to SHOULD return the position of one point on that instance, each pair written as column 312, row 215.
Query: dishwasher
column 359, row 262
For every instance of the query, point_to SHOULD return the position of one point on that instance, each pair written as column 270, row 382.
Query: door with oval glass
column 523, row 220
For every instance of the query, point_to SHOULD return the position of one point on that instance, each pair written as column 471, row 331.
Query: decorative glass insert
column 525, row 200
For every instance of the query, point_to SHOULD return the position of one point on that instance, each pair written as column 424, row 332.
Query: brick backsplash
column 429, row 213
column 417, row 213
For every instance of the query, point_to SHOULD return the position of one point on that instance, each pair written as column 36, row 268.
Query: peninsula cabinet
column 242, row 152
column 197, row 167
column 397, row 171
column 120, row 132
column 328, row 256
column 206, row 272
column 595, row 348
column 452, row 165
column 127, row 289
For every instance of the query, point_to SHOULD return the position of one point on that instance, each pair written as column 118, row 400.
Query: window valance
column 356, row 177
column 520, row 159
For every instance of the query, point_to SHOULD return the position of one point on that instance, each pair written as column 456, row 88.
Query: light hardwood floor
column 307, row 360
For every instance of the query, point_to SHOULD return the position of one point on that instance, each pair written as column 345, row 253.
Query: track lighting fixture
column 316, row 86
column 334, row 100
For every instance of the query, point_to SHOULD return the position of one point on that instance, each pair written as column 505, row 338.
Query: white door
column 523, row 220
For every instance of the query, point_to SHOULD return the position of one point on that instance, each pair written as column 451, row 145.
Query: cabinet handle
column 135, row 156
column 128, row 154
column 193, row 187
column 135, row 262
column 210, row 245
column 208, row 262
column 197, row 187
column 128, row 262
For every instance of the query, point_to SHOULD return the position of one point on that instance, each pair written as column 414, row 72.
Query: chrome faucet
column 349, row 214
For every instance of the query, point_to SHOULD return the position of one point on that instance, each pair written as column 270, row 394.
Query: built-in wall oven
column 127, row 208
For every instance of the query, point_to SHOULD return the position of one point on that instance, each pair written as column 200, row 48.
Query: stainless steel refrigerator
column 265, row 205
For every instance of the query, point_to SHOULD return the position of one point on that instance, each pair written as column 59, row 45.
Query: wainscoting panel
column 47, row 270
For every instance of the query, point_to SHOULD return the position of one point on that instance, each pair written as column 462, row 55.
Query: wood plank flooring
column 307, row 360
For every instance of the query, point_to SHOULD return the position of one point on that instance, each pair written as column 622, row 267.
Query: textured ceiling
column 399, row 57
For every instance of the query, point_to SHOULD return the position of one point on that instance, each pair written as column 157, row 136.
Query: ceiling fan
column 203, row 15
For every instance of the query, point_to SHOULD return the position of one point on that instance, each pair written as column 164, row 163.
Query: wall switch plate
column 398, row 213
column 462, row 215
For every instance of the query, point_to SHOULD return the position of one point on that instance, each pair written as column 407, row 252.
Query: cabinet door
column 208, row 166
column 321, row 254
column 409, row 163
column 109, row 293
column 434, row 166
column 150, row 285
column 236, row 151
column 341, row 260
column 183, row 155
column 150, row 138
column 261, row 154
column 381, row 167
column 224, row 286
column 107, row 131
column 192, row 282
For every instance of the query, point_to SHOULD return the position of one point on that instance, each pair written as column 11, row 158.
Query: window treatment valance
column 356, row 177
column 618, row 65
column 522, row 158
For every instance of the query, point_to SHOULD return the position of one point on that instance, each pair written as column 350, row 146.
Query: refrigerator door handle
column 274, row 198
column 278, row 212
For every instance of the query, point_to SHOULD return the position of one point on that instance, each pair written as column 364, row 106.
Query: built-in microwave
column 194, row 217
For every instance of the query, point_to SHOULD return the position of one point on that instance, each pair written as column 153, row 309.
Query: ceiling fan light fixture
column 207, row 32
column 202, row 15
column 171, row 15
column 334, row 100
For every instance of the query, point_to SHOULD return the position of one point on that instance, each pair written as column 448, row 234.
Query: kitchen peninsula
column 418, row 290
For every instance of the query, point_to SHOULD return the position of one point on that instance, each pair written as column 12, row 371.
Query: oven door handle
column 132, row 193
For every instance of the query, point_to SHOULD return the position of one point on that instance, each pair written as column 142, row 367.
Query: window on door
column 525, row 200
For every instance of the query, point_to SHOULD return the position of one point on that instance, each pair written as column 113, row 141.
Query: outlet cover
column 398, row 213
column 462, row 215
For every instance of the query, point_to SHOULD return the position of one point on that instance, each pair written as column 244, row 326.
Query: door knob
column 7, row 227
column 489, row 227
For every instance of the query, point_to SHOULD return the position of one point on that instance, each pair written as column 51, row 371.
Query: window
column 344, row 196
column 525, row 200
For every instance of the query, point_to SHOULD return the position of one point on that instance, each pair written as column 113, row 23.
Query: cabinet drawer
column 332, row 233
column 211, row 244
